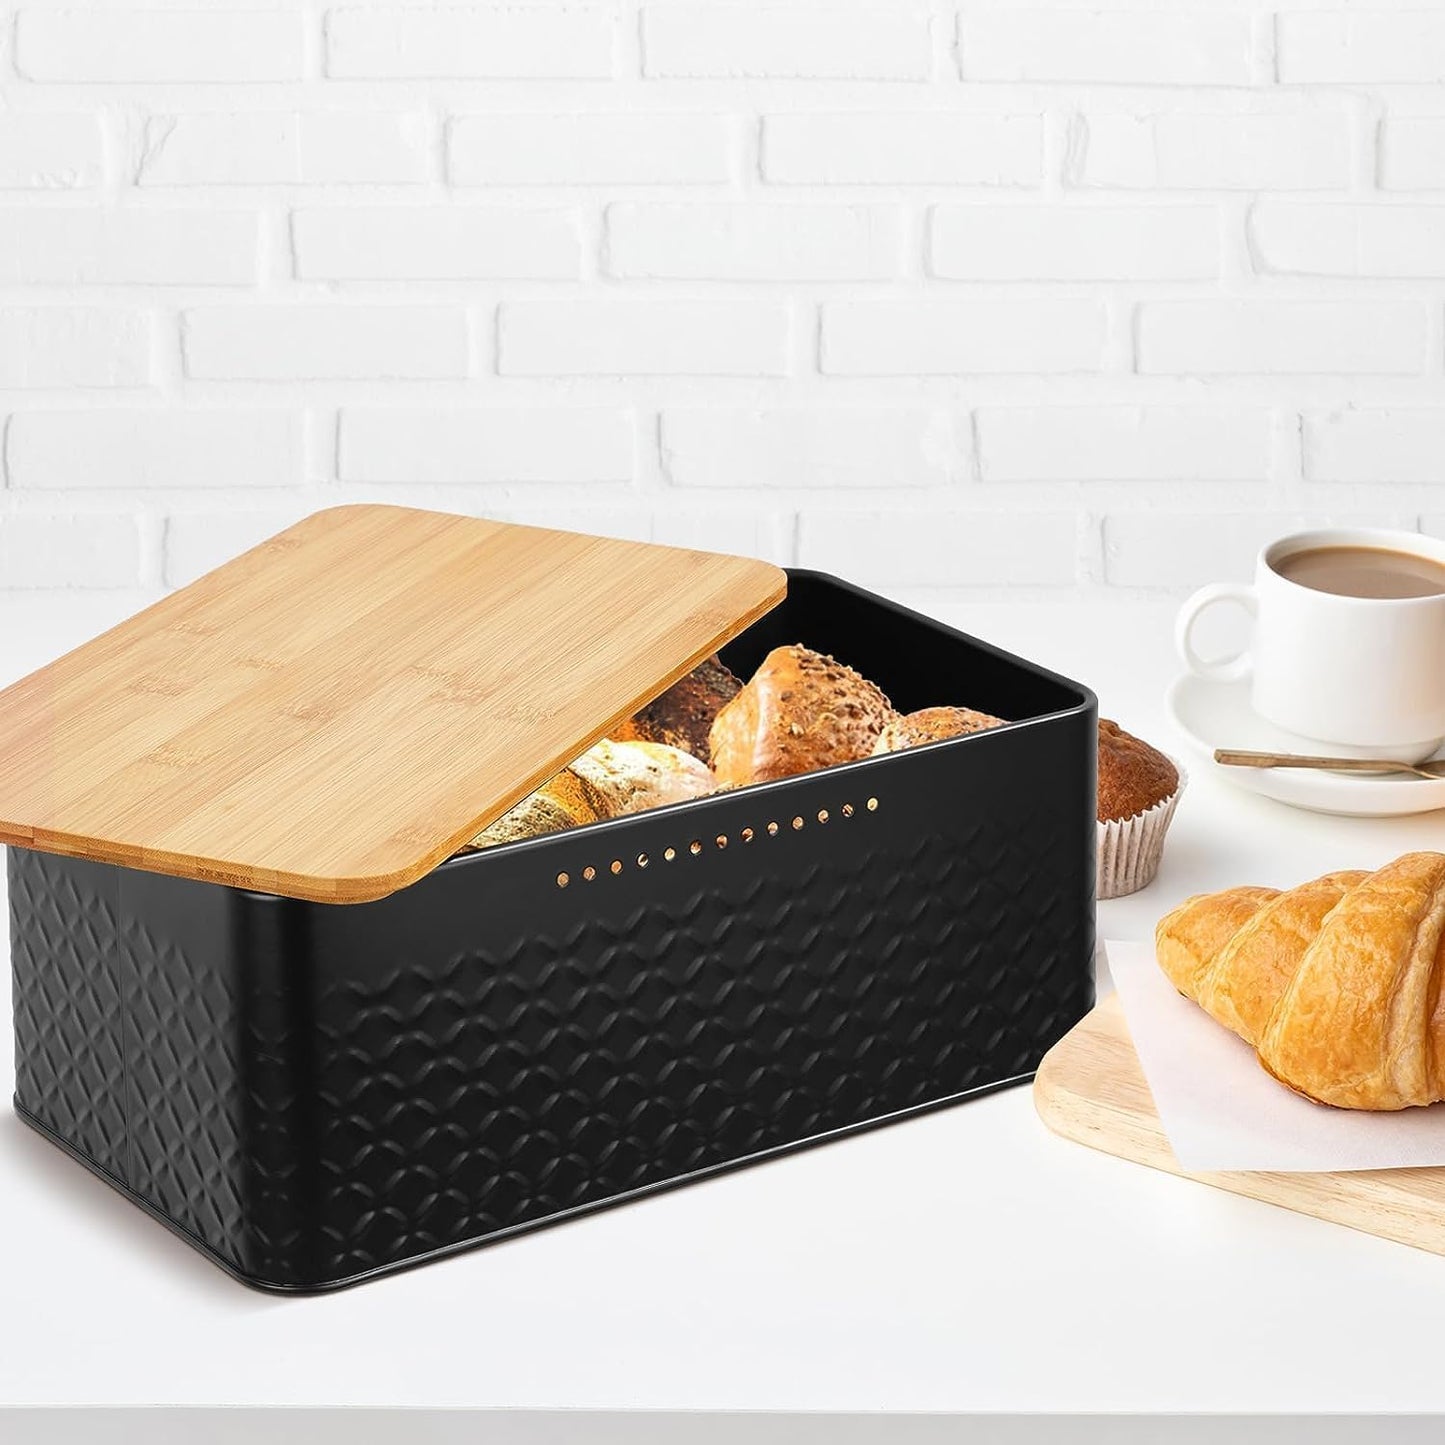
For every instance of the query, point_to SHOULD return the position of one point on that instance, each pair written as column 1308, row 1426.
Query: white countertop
column 966, row 1261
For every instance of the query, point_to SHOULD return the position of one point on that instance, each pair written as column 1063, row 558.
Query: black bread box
column 315, row 1093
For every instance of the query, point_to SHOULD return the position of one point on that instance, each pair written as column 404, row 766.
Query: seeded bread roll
column 932, row 725
column 800, row 711
column 683, row 716
column 609, row 780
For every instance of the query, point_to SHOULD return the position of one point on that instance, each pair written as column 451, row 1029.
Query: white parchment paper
column 1221, row 1110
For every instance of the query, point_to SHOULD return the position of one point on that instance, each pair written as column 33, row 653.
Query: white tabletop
column 963, row 1262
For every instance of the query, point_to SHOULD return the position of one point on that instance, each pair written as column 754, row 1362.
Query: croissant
column 1337, row 983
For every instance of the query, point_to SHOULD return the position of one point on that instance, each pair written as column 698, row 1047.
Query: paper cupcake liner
column 1130, row 848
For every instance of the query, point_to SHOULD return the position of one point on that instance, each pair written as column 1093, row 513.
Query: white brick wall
column 607, row 338
column 1289, row 148
column 902, row 148
column 1075, row 243
column 1412, row 153
column 943, row 337
column 790, row 42
column 620, row 149
column 434, row 243
column 134, row 450
column 754, row 243
column 1369, row 46
column 461, row 446
column 53, row 152
column 1239, row 338
column 350, row 147
column 74, row 346
column 817, row 447
column 105, row 246
column 1354, row 445
column 501, row 42
column 95, row 43
column 950, row 295
column 1165, row 46
column 302, row 343
column 1136, row 444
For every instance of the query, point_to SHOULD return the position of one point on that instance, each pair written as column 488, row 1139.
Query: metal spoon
column 1236, row 759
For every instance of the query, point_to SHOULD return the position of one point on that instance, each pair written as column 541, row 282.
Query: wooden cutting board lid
column 333, row 713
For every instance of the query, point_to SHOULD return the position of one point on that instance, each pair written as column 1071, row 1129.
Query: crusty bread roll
column 932, row 725
column 631, row 776
column 609, row 780
column 536, row 814
column 800, row 711
column 682, row 716
column 1337, row 984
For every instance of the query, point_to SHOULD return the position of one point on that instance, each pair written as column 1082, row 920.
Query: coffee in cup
column 1364, row 572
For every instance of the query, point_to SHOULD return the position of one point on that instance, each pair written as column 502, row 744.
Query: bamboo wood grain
column 333, row 713
column 1091, row 1089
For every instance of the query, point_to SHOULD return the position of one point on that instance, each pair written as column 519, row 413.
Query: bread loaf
column 682, row 716
column 800, row 711
column 631, row 776
column 932, row 725
column 609, row 780
column 539, row 813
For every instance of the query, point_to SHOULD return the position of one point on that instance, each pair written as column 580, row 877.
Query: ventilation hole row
column 745, row 835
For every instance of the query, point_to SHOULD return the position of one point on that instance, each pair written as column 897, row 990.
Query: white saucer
column 1218, row 715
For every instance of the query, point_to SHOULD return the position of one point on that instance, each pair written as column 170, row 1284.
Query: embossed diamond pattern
column 69, row 1063
column 162, row 1063
column 496, row 1087
column 183, row 1043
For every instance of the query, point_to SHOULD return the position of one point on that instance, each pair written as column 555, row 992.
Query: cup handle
column 1225, row 669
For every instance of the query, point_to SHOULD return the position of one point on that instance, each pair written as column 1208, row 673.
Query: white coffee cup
column 1364, row 674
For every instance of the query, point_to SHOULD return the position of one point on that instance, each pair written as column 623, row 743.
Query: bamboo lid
column 333, row 713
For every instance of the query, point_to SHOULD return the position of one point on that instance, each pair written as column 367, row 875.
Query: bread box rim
column 1086, row 699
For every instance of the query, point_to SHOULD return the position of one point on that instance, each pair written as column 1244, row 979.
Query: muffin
column 931, row 725
column 1139, row 789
